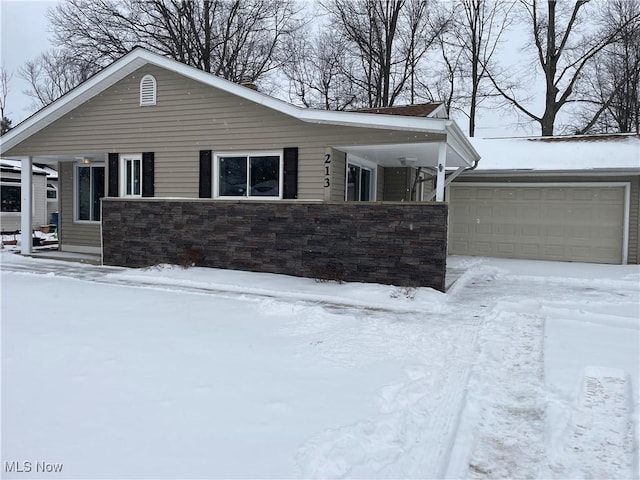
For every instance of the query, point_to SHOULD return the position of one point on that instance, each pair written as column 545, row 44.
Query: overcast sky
column 25, row 34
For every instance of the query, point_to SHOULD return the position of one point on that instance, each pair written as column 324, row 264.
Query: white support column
column 26, row 206
column 440, row 176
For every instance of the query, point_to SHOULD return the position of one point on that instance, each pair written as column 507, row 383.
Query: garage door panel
column 507, row 211
column 531, row 194
column 505, row 248
column 484, row 194
column 555, row 194
column 483, row 228
column 484, row 248
column 507, row 193
column 461, row 228
column 611, row 194
column 583, row 194
column 529, row 212
column 505, row 229
column 530, row 230
column 574, row 223
column 528, row 250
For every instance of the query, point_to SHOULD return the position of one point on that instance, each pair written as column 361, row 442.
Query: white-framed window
column 131, row 175
column 52, row 192
column 148, row 88
column 248, row 175
column 88, row 190
column 361, row 182
column 10, row 197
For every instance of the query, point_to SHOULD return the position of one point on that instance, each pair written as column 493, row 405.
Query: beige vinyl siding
column 633, row 255
column 39, row 197
column 11, row 221
column 190, row 116
column 338, row 175
column 380, row 183
column 73, row 234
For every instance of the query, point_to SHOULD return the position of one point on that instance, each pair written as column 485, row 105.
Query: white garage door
column 581, row 223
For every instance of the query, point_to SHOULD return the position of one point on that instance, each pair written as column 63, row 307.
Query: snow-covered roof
column 571, row 153
column 16, row 166
column 52, row 174
column 139, row 57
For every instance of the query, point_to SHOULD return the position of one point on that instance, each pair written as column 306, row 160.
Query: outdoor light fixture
column 408, row 161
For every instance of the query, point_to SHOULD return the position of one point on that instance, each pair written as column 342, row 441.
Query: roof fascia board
column 374, row 120
column 460, row 143
column 552, row 173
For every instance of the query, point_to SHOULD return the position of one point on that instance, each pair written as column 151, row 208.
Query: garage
column 580, row 222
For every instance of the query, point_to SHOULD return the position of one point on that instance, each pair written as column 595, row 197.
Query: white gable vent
column 148, row 90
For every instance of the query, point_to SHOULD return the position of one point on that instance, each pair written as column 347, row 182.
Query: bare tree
column 563, row 49
column 389, row 39
column 236, row 39
column 319, row 70
column 611, row 89
column 478, row 29
column 53, row 74
column 5, row 78
column 440, row 79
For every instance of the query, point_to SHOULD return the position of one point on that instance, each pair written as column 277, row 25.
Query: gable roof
column 611, row 152
column 416, row 110
column 139, row 57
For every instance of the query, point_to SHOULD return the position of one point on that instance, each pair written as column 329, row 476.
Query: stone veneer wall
column 401, row 244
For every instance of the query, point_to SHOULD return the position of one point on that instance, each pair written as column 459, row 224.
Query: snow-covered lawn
column 523, row 369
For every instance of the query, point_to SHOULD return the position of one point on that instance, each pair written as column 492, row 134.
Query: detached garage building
column 550, row 198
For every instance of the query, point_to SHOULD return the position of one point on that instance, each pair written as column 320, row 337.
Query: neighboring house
column 148, row 128
column 573, row 198
column 52, row 191
column 11, row 193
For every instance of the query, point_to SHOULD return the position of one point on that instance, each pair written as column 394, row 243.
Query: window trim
column 19, row 187
column 122, row 187
column 144, row 102
column 75, row 192
column 363, row 165
column 52, row 188
column 258, row 153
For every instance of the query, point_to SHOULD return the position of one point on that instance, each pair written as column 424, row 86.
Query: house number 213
column 327, row 172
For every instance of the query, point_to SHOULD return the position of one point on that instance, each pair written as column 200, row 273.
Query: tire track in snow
column 507, row 395
column 414, row 432
column 598, row 441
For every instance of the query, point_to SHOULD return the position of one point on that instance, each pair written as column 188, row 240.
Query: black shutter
column 113, row 175
column 205, row 174
column 290, row 173
column 148, row 174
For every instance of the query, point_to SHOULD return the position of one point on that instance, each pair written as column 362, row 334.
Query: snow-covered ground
column 523, row 369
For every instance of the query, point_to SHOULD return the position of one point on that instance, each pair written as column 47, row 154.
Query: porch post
column 26, row 207
column 440, row 177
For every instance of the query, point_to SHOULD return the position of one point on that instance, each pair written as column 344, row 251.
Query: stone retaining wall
column 401, row 244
